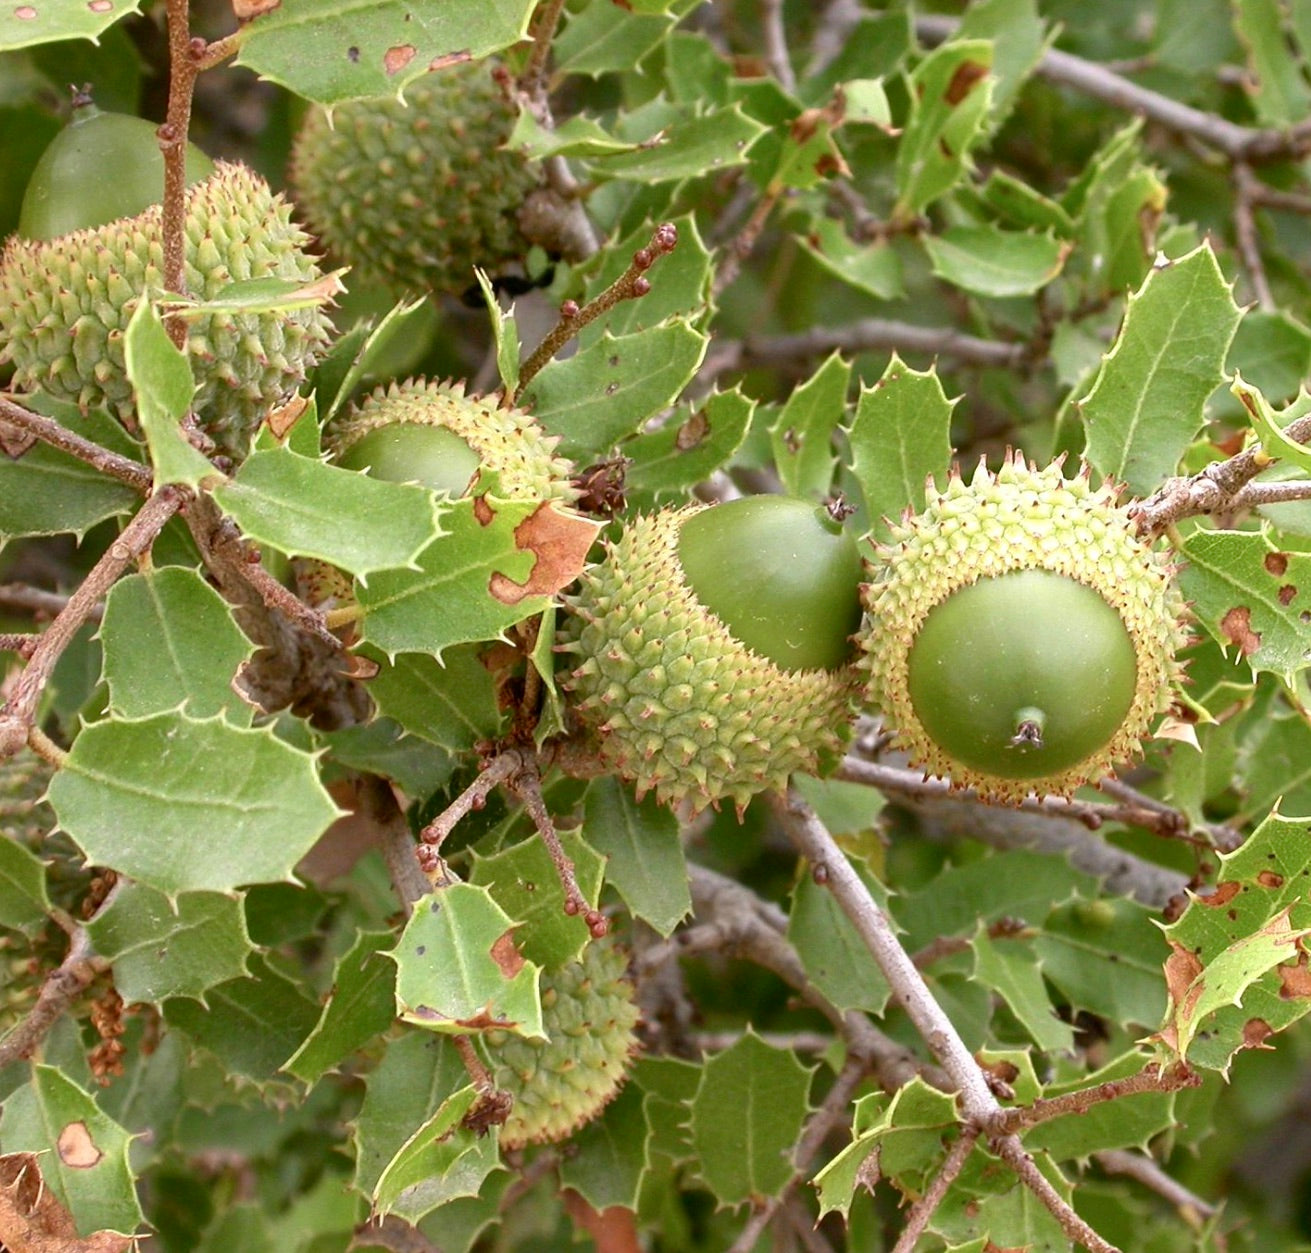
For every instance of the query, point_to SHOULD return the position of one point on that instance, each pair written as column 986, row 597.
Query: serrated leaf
column 188, row 805
column 607, row 391
column 874, row 269
column 1251, row 597
column 48, row 492
column 330, row 52
column 991, row 262
column 1146, row 403
column 160, row 950
column 523, row 881
column 252, row 1024
column 49, row 21
column 361, row 1006
column 1277, row 83
column 306, row 508
column 951, row 93
column 989, row 1201
column 354, row 356
column 680, row 145
column 746, row 1117
column 579, row 136
column 670, row 1084
column 900, row 437
column 458, row 969
column 835, row 958
column 551, row 715
column 683, row 453
column 262, row 295
column 643, row 855
column 1010, row 968
column 161, row 377
column 1021, row 206
column 1272, row 351
column 505, row 334
column 499, row 563
column 195, row 647
column 1274, row 443
column 608, row 1160
column 1016, row 30
column 24, row 902
column 83, row 1152
column 802, row 438
column 603, row 38
column 451, row 702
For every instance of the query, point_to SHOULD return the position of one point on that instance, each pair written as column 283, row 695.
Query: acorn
column 66, row 297
column 1021, row 636
column 561, row 1082
column 438, row 435
column 716, row 648
column 417, row 191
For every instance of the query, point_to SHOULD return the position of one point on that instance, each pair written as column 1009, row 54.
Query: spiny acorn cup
column 560, row 1083
column 716, row 648
column 1021, row 637
column 437, row 435
column 65, row 302
column 416, row 192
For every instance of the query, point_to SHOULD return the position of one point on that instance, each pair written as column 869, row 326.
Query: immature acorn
column 1021, row 637
column 559, row 1083
column 91, row 244
column 716, row 648
column 417, row 191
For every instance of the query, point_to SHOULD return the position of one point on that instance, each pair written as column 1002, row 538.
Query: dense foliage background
column 902, row 235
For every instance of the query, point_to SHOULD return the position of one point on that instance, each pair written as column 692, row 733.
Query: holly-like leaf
column 195, row 648
column 329, row 53
column 1277, row 83
column 608, row 1160
column 459, row 970
column 691, row 446
column 190, row 805
column 900, row 437
column 48, row 21
column 451, row 702
column 83, row 1152
column 499, row 563
column 24, row 902
column 677, row 143
column 1269, row 426
column 836, row 959
column 359, row 353
column 524, row 882
column 505, row 333
column 1146, row 403
column 1016, row 30
column 606, row 392
column 161, row 950
column 993, row 262
column 1011, row 969
column 1252, row 597
column 802, row 437
column 603, row 39
column 306, row 508
column 746, row 1116
column 874, row 269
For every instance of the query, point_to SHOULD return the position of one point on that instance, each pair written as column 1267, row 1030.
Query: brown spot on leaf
column 1276, row 564
column 25, row 13
column 483, row 512
column 1269, row 879
column 968, row 75
column 283, row 418
column 1287, row 594
column 1222, row 895
column 1236, row 626
column 447, row 59
column 397, row 57
column 692, row 432
column 1255, row 1033
column 245, row 10
column 1182, row 968
column 559, row 541
column 32, row 1217
column 76, row 1147
column 507, row 956
column 101, row 6
column 1295, row 981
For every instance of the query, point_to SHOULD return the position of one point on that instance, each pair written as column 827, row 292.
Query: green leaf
column 458, row 969
column 451, row 702
column 802, row 437
column 951, row 94
column 643, row 855
column 874, row 269
column 523, row 881
column 680, row 144
column 1272, row 351
column 683, row 453
column 358, row 354
column 23, row 25
column 252, row 1024
column 1251, row 597
column 1277, row 85
column 161, row 376
column 24, row 902
column 609, row 1159
column 835, row 958
column 48, row 492
column 195, row 648
column 505, row 334
column 306, row 508
column 135, row 794
column 579, row 136
column 262, row 295
column 499, row 563
column 83, row 1153
column 1268, row 427
column 1010, row 969
column 670, row 1084
column 160, row 950
column 1016, row 30
column 330, row 52
column 993, row 262
column 607, row 391
column 900, row 437
column 746, row 1116
column 1146, row 403
column 604, row 38
column 361, row 1006
column 1019, row 205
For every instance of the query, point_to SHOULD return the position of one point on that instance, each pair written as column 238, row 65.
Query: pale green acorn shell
column 681, row 707
column 416, row 192
column 509, row 442
column 1022, row 518
column 65, row 305
column 559, row 1083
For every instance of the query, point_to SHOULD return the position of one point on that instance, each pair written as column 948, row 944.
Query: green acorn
column 417, row 191
column 436, row 434
column 716, row 648
column 65, row 302
column 1021, row 637
column 567, row 1079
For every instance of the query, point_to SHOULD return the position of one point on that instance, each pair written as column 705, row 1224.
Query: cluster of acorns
column 1018, row 635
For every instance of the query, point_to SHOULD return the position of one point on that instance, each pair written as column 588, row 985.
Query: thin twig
column 19, row 597
column 541, row 32
column 924, row 1209
column 184, row 55
column 1272, row 198
column 137, row 476
column 1245, row 234
column 1009, row 1149
column 1152, row 1078
column 776, row 44
column 496, row 772
column 1149, row 1173
column 739, row 249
